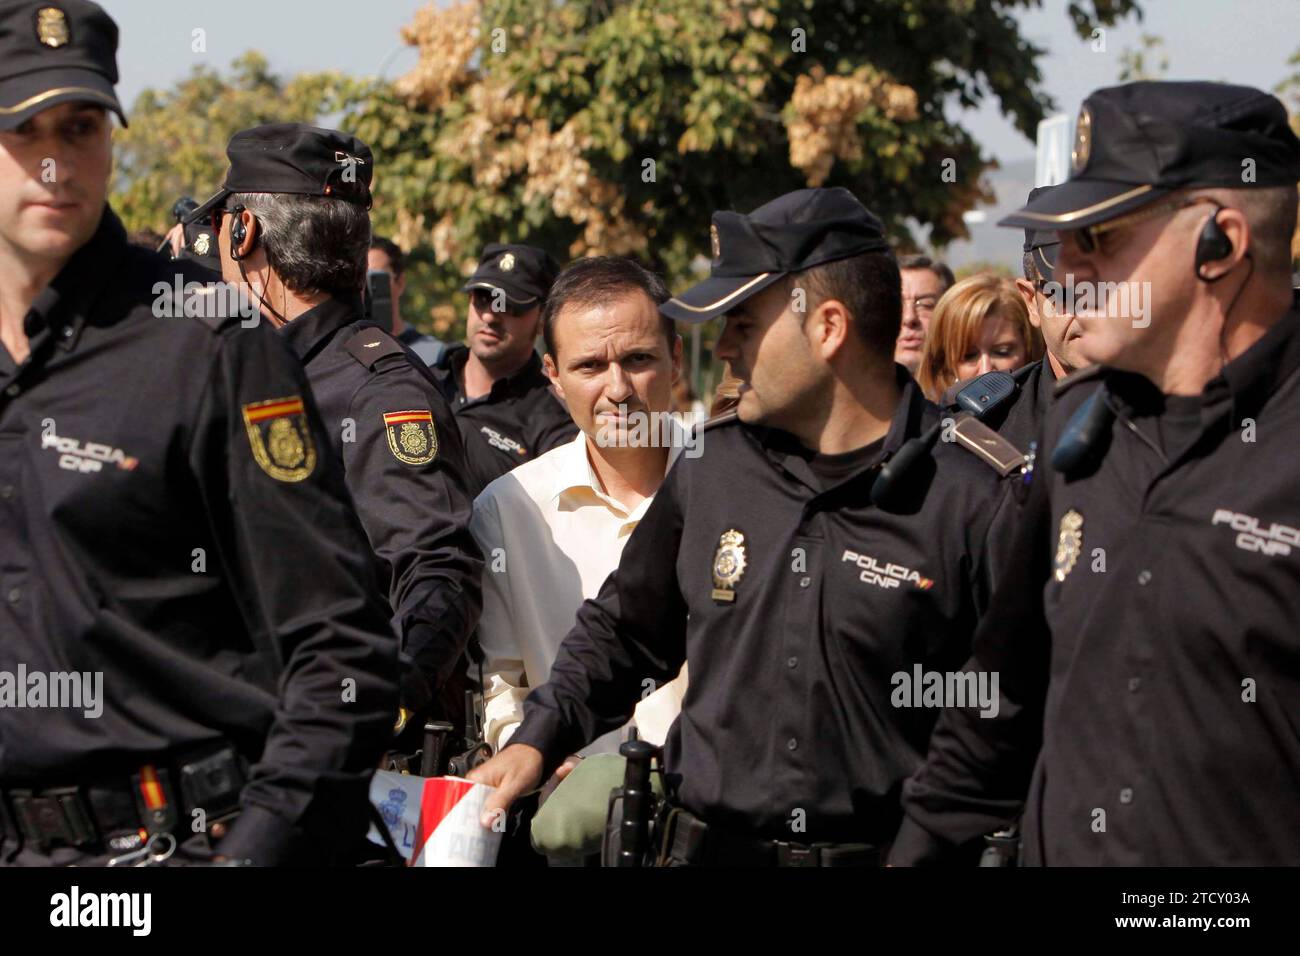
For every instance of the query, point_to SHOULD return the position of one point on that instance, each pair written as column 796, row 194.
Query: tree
column 605, row 127
column 617, row 126
column 176, row 144
column 1148, row 62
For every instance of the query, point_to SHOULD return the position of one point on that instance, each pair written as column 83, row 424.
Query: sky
column 1245, row 41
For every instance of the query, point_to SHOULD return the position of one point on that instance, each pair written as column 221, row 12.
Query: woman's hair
column 958, row 318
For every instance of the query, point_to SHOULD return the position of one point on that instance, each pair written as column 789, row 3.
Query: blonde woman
column 980, row 325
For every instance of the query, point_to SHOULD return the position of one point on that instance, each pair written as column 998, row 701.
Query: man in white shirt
column 553, row 529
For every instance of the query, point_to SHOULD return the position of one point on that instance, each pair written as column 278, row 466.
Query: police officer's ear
column 828, row 328
column 244, row 230
column 1030, row 294
column 1223, row 240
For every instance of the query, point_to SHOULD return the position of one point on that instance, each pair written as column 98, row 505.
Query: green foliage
column 533, row 122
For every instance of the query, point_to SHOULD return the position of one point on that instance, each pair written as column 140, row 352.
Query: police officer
column 805, row 611
column 503, row 402
column 1147, row 644
column 292, row 224
column 171, row 684
column 1017, row 417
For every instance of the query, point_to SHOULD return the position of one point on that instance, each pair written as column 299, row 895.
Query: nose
column 618, row 387
column 986, row 363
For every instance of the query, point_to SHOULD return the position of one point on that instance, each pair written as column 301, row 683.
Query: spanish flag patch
column 411, row 436
column 280, row 437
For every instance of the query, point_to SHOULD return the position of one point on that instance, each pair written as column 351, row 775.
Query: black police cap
column 51, row 53
column 1137, row 143
column 524, row 273
column 802, row 229
column 1043, row 243
column 298, row 159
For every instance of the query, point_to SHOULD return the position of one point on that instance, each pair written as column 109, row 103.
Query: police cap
column 1136, row 143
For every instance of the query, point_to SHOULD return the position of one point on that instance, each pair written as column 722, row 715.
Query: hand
column 515, row 771
column 561, row 772
column 176, row 237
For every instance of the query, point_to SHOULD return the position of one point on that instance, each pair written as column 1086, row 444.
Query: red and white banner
column 435, row 821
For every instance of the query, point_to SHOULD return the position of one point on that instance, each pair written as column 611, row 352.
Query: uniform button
column 1144, row 578
column 15, row 595
column 792, row 744
column 6, row 492
column 13, row 390
column 1126, row 795
column 1134, row 683
column 67, row 332
column 792, row 662
column 804, row 582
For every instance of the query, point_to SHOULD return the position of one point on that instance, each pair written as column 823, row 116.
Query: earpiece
column 238, row 233
column 1212, row 246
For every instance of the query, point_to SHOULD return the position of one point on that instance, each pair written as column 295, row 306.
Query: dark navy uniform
column 796, row 601
column 389, row 428
column 1022, row 418
column 515, row 422
column 171, row 518
column 1148, row 647
column 402, row 457
column 789, row 698
column 1140, row 671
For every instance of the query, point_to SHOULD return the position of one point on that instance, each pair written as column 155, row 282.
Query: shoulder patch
column 412, row 437
column 281, row 438
column 370, row 345
column 1086, row 374
column 987, row 445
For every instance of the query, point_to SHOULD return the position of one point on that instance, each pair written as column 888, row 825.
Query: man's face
column 501, row 338
column 921, row 290
column 781, row 378
column 1060, row 331
column 1141, row 279
column 54, row 171
column 611, row 361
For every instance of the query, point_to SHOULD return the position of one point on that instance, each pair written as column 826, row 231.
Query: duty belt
column 121, row 814
column 688, row 839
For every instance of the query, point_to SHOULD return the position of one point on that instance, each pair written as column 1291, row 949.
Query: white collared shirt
column 550, row 537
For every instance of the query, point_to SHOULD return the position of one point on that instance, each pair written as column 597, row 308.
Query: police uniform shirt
column 1023, row 420
column 169, row 519
column 517, row 420
column 1170, row 674
column 403, row 462
column 796, row 606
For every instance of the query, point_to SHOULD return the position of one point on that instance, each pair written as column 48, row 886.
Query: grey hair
column 314, row 243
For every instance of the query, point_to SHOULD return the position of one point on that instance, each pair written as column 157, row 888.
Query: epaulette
column 371, row 344
column 722, row 419
column 1085, row 374
column 987, row 445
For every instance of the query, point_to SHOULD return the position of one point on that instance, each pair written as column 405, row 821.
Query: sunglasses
column 1089, row 237
column 485, row 301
